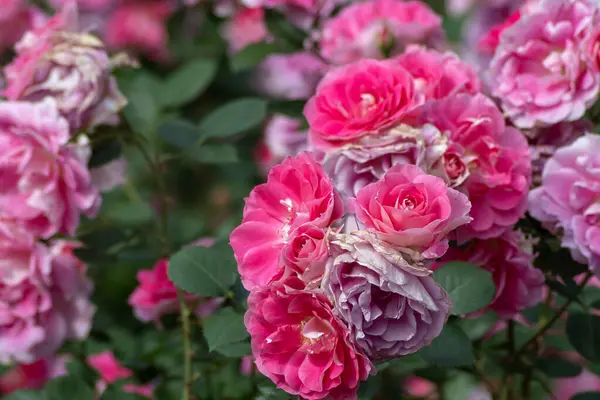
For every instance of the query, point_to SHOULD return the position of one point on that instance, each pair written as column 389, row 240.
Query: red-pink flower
column 16, row 17
column 438, row 75
column 377, row 29
column 410, row 209
column 485, row 159
column 490, row 42
column 297, row 191
column 247, row 26
column 358, row 99
column 568, row 388
column 111, row 371
column 140, row 26
column 45, row 180
column 540, row 71
column 509, row 258
column 32, row 376
column 300, row 345
column 307, row 253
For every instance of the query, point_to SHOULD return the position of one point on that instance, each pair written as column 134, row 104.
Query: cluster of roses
column 58, row 86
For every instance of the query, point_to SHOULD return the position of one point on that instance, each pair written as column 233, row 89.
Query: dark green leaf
column 587, row 396
column 224, row 328
column 369, row 389
column 594, row 369
column 113, row 393
column 407, row 364
column 68, row 387
column 80, row 370
column 130, row 213
column 451, row 349
column 233, row 118
column 583, row 331
column 215, row 153
column 188, row 82
column 236, row 350
column 105, row 152
column 475, row 328
column 252, row 55
column 142, row 109
column 26, row 395
column 470, row 288
column 278, row 25
column 179, row 133
column 556, row 367
column 204, row 271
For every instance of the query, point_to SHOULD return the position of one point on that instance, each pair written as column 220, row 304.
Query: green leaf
column 475, row 328
column 179, row 133
column 594, row 369
column 284, row 32
column 68, row 387
column 452, row 348
column 105, row 152
column 130, row 213
column 252, row 55
column 26, row 395
column 583, row 331
column 204, row 271
column 587, row 396
column 142, row 109
column 470, row 287
column 112, row 393
column 556, row 367
column 233, row 118
column 223, row 329
column 188, row 82
column 214, row 153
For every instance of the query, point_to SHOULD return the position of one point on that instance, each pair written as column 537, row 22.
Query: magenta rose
column 72, row 68
column 390, row 303
column 353, row 101
column 297, row 191
column 567, row 201
column 44, row 296
column 247, row 26
column 300, row 345
column 378, row 28
column 540, row 71
column 111, row 371
column 46, row 183
column 307, row 253
column 410, row 209
column 509, row 258
column 483, row 158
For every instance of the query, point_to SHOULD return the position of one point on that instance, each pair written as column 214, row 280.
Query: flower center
column 409, row 203
column 367, row 103
column 454, row 165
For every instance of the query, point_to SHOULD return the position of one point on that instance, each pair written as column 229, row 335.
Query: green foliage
column 452, row 348
column 188, row 82
column 225, row 332
column 583, row 331
column 68, row 387
column 233, row 118
column 252, row 55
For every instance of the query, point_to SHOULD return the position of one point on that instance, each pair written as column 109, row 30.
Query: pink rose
column 307, row 253
column 482, row 158
column 46, row 183
column 439, row 75
column 300, row 345
column 44, row 295
column 16, row 17
column 290, row 76
column 567, row 201
column 111, row 371
column 297, row 191
column 156, row 295
column 87, row 5
column 86, row 93
column 366, row 97
column 246, row 27
column 140, row 26
column 567, row 388
column 509, row 258
column 32, row 376
column 415, row 386
column 410, row 209
column 283, row 137
column 378, row 28
column 489, row 43
column 592, row 45
column 302, row 13
column 540, row 71
column 391, row 303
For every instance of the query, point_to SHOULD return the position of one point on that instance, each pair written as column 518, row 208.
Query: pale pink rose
column 377, row 29
column 111, row 371
column 567, row 388
column 73, row 68
column 483, row 158
column 437, row 74
column 592, row 45
column 32, row 376
column 46, row 183
column 16, row 17
column 300, row 345
column 307, row 253
column 509, row 258
column 489, row 43
column 415, row 386
column 390, row 302
column 567, row 201
column 86, row 5
column 45, row 296
column 297, row 191
column 302, row 13
column 410, row 209
column 283, row 137
column 247, row 26
column 290, row 76
column 110, row 175
column 359, row 99
column 540, row 71
column 140, row 26
column 156, row 296
column 354, row 166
